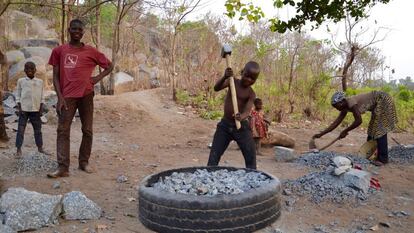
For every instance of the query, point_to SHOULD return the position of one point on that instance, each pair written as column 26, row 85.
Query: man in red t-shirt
column 73, row 64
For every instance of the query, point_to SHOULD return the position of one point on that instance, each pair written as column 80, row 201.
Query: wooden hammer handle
column 233, row 93
column 330, row 144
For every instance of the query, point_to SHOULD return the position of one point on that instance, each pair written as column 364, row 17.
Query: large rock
column 26, row 210
column 284, row 154
column 357, row 179
column 14, row 56
column 50, row 43
column 42, row 52
column 6, row 229
column 9, row 104
column 22, row 26
column 122, row 78
column 277, row 138
column 18, row 68
column 76, row 206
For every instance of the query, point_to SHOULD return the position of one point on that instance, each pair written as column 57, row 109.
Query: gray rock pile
column 402, row 154
column 203, row 182
column 26, row 210
column 22, row 210
column 34, row 163
column 323, row 159
column 76, row 206
column 323, row 186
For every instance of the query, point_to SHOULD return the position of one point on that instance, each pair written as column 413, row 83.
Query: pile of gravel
column 322, row 160
column 401, row 154
column 323, row 186
column 34, row 163
column 205, row 183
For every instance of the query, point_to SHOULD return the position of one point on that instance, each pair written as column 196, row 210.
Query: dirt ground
column 140, row 133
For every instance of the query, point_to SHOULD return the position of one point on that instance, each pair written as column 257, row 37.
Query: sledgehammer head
column 225, row 50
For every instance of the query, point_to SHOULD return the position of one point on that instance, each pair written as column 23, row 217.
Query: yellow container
column 369, row 150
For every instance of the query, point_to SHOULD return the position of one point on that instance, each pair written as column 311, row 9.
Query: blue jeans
column 226, row 132
column 37, row 128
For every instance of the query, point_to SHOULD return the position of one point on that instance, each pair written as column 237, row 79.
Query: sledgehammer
column 225, row 53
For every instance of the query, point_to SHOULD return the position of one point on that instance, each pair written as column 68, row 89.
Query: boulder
column 284, row 154
column 277, row 138
column 9, row 104
column 76, row 206
column 357, row 179
column 122, row 77
column 24, row 25
column 42, row 52
column 26, row 210
column 14, row 56
column 49, row 43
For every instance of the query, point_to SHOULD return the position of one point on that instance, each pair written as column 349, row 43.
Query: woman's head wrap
column 337, row 97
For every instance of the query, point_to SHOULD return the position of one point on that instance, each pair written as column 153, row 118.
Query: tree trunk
column 63, row 27
column 291, row 74
column 115, row 47
column 98, row 39
column 3, row 59
column 3, row 70
column 173, row 71
column 349, row 59
column 69, row 17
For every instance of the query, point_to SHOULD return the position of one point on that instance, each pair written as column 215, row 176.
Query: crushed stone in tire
column 205, row 183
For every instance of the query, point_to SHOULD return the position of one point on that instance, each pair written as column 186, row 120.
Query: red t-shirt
column 76, row 66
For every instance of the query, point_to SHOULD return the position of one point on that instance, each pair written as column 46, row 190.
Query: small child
column 258, row 124
column 30, row 101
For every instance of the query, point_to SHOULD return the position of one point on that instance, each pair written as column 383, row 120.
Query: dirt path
column 140, row 133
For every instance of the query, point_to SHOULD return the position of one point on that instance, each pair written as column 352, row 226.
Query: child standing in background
column 258, row 124
column 29, row 100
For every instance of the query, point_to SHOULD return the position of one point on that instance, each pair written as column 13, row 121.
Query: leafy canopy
column 313, row 11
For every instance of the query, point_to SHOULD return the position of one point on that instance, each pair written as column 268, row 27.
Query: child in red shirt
column 258, row 124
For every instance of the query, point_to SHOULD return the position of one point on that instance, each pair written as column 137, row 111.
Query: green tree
column 315, row 12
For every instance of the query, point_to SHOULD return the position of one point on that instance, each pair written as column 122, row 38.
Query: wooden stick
column 233, row 93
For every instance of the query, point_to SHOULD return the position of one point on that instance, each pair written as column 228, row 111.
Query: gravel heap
column 34, row 163
column 205, row 183
column 401, row 154
column 322, row 159
column 322, row 186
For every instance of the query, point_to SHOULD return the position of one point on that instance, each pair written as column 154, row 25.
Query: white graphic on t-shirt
column 71, row 60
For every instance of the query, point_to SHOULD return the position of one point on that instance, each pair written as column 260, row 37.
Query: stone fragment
column 284, row 154
column 121, row 179
column 340, row 161
column 26, row 210
column 357, row 179
column 76, row 206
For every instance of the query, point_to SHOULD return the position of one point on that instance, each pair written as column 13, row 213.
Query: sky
column 398, row 15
